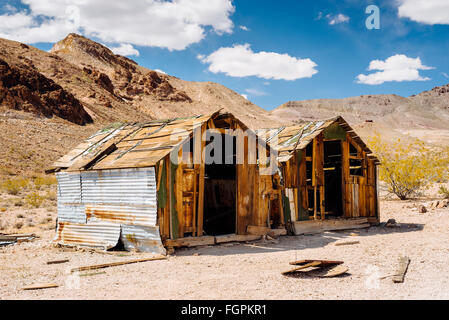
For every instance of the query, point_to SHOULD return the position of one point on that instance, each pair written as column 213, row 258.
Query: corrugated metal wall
column 93, row 204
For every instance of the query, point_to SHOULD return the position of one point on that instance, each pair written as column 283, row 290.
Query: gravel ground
column 251, row 270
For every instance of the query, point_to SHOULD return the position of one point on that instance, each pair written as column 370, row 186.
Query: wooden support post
column 202, row 170
column 322, row 202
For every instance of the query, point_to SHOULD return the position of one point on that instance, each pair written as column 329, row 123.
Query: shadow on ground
column 295, row 243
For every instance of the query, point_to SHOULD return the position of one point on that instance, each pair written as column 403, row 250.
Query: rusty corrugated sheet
column 93, row 234
column 93, row 207
column 70, row 207
column 144, row 239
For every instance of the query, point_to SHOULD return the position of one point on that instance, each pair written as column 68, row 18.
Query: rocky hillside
column 425, row 116
column 24, row 88
column 50, row 101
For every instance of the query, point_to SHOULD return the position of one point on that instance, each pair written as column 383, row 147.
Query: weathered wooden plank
column 41, row 286
column 114, row 264
column 58, row 261
column 236, row 238
column 322, row 262
column 347, row 243
column 317, row 226
column 305, row 266
column 402, row 269
column 190, row 241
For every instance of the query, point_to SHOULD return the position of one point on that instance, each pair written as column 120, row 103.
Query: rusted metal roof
column 287, row 139
column 135, row 145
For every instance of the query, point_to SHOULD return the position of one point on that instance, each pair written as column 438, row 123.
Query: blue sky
column 328, row 39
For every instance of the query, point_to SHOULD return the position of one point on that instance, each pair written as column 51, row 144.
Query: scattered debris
column 113, row 264
column 323, row 262
column 7, row 239
column 443, row 204
column 304, row 266
column 391, row 223
column 41, row 286
column 422, row 209
column 402, row 269
column 346, row 243
column 318, row 268
column 434, row 204
column 334, row 271
column 58, row 261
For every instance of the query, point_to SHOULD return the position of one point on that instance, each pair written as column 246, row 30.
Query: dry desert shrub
column 408, row 168
column 18, row 225
column 444, row 192
column 34, row 199
column 42, row 181
column 14, row 186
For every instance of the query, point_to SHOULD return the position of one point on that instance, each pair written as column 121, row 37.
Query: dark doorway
column 333, row 178
column 220, row 192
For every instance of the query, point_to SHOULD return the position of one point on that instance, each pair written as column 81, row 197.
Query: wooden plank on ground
column 41, row 286
column 58, row 261
column 236, row 238
column 402, row 269
column 347, row 243
column 114, row 264
column 304, row 266
column 190, row 241
column 322, row 262
column 334, row 272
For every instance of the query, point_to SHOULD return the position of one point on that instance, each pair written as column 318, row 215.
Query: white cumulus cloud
column 396, row 68
column 125, row 49
column 173, row 24
column 339, row 18
column 241, row 61
column 425, row 11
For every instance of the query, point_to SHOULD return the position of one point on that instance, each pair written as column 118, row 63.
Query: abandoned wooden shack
column 150, row 186
column 329, row 176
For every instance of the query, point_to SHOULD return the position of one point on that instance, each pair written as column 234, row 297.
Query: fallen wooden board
column 190, row 241
column 333, row 272
column 347, row 243
column 92, row 274
column 41, row 286
column 305, row 266
column 318, row 226
column 236, row 238
column 58, row 261
column 114, row 264
column 402, row 269
column 323, row 262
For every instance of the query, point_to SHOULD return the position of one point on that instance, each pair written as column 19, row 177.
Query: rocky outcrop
column 24, row 88
column 112, row 71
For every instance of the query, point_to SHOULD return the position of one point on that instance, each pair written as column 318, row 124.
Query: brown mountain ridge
column 46, row 96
